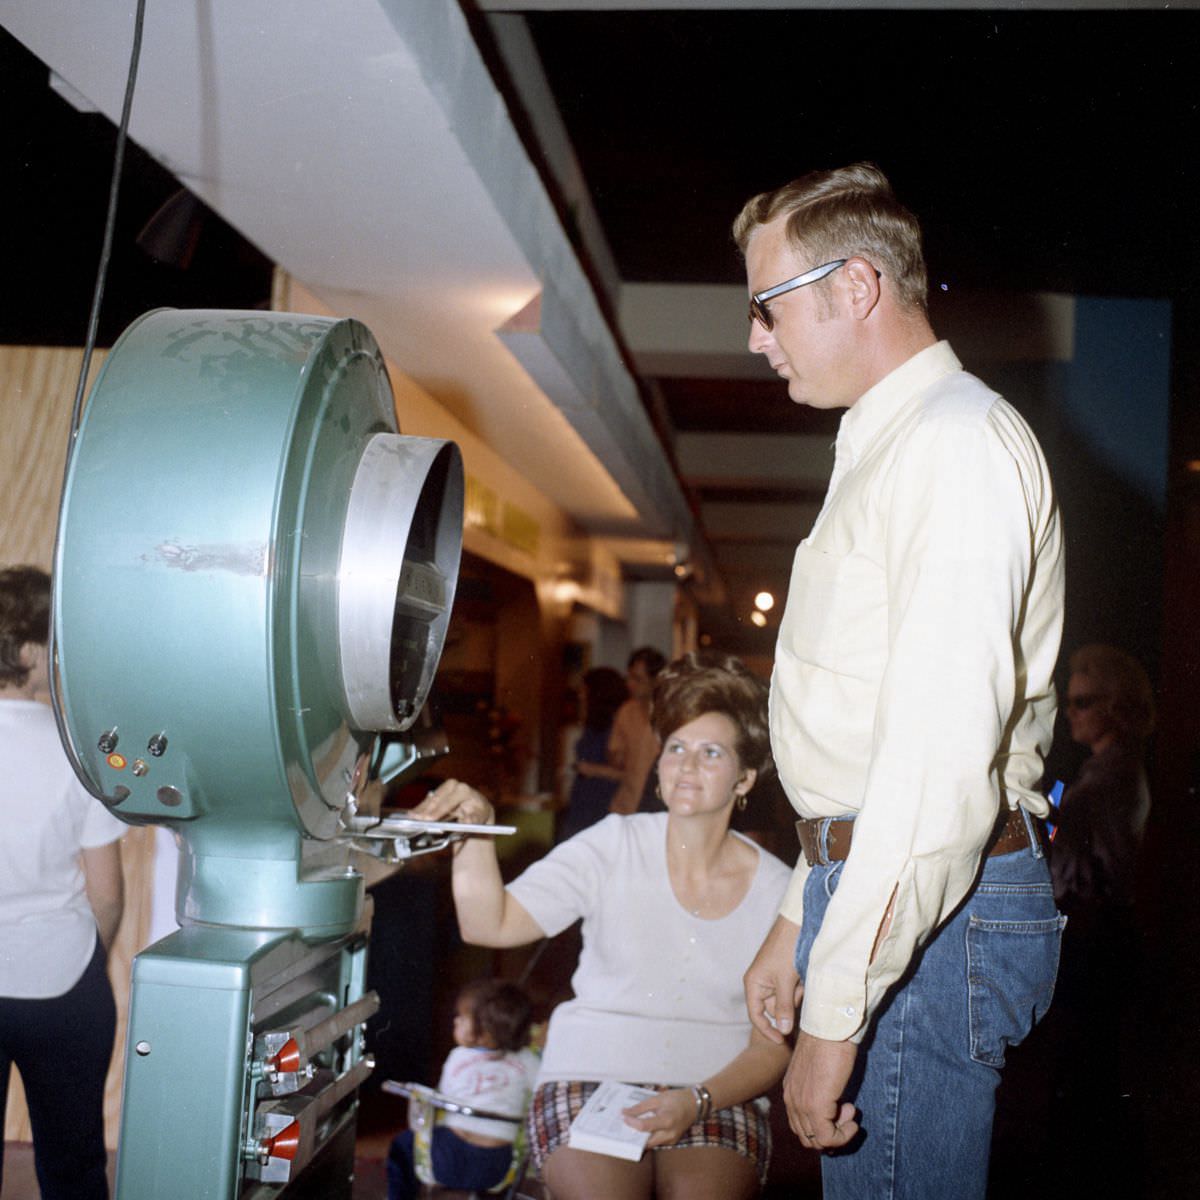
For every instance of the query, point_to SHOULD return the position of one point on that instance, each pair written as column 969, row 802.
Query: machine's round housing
column 210, row 572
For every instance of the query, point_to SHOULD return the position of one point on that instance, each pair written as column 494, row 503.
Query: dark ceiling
column 1043, row 150
column 56, row 163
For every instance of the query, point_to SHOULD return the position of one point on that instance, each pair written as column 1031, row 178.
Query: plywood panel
column 37, row 390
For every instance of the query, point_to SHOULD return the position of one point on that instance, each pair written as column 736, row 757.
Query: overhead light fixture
column 764, row 601
column 758, row 619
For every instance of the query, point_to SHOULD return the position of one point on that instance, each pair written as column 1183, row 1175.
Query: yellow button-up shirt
column 913, row 675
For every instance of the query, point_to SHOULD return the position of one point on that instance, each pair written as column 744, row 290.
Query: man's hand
column 773, row 988
column 813, row 1088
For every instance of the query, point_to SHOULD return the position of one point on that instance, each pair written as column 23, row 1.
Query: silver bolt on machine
column 253, row 578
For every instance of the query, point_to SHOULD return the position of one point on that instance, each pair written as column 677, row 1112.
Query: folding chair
column 426, row 1107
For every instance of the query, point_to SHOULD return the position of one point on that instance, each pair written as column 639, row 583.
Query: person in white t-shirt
column 673, row 905
column 492, row 1069
column 61, row 899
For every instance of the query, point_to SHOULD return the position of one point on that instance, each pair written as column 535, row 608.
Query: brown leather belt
column 826, row 840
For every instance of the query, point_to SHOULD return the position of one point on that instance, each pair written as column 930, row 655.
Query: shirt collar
column 876, row 407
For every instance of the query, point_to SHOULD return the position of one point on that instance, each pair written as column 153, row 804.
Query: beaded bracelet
column 703, row 1101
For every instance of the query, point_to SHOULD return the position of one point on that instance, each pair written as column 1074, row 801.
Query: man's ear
column 863, row 289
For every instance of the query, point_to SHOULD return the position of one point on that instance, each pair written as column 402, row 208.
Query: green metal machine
column 253, row 578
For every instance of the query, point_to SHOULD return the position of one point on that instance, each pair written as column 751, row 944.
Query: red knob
column 288, row 1058
column 285, row 1143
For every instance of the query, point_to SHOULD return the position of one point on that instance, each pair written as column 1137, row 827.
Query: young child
column 490, row 1068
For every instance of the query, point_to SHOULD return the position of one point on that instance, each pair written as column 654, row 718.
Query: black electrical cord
column 110, row 222
column 77, row 410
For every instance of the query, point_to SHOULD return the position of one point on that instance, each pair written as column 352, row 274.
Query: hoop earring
column 741, row 802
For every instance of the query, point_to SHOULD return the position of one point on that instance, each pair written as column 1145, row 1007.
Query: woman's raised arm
column 487, row 914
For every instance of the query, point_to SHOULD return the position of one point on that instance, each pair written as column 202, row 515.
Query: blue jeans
column 456, row 1163
column 927, row 1070
column 62, row 1046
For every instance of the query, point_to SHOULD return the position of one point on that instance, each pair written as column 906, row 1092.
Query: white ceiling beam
column 364, row 147
column 699, row 330
column 752, row 521
column 755, row 460
column 824, row 5
column 689, row 330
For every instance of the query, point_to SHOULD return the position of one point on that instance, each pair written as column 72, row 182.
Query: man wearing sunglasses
column 912, row 703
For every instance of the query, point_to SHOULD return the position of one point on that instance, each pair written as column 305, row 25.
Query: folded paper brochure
column 599, row 1127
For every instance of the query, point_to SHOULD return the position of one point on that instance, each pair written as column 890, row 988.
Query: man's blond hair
column 843, row 213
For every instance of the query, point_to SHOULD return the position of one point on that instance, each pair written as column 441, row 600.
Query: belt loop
column 1035, row 841
column 823, row 840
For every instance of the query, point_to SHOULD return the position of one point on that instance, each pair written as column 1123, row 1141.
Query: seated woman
column 673, row 905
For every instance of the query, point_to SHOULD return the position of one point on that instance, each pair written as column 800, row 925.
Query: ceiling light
column 758, row 619
column 764, row 601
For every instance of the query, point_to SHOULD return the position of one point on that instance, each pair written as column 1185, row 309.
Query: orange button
column 117, row 762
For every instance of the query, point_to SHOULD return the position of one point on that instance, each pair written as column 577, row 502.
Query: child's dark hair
column 500, row 1011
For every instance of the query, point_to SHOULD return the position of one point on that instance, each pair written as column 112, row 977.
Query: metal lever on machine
column 287, row 1131
column 284, row 1057
column 410, row 837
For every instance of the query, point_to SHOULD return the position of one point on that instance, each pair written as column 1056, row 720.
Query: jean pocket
column 818, row 890
column 1011, row 967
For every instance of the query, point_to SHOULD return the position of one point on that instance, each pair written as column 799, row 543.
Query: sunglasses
column 758, row 302
column 1080, row 703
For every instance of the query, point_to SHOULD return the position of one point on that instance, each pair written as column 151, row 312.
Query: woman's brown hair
column 697, row 684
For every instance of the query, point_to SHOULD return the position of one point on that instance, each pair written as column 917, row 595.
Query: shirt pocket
column 836, row 613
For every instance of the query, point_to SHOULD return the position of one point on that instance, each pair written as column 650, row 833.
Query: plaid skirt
column 743, row 1128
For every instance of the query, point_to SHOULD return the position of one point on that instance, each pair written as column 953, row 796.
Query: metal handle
column 427, row 1095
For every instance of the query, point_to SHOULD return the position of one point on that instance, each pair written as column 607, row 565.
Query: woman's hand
column 455, row 801
column 487, row 914
column 668, row 1115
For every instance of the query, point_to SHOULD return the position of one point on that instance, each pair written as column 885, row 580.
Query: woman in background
column 1094, row 862
column 598, row 770
column 1102, row 819
column 61, row 899
column 634, row 742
